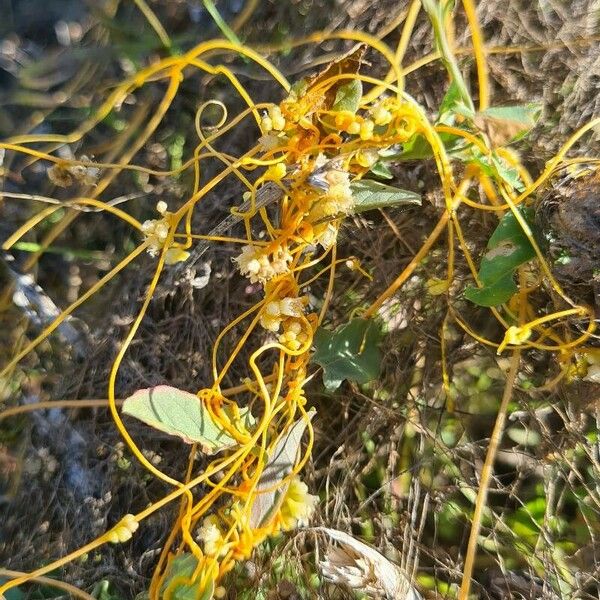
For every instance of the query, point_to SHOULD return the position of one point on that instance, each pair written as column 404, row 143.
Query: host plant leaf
column 175, row 586
column 182, row 414
column 280, row 463
column 507, row 249
column 350, row 352
column 381, row 170
column 348, row 96
column 368, row 195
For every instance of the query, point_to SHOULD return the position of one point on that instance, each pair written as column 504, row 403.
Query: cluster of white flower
column 157, row 231
column 211, row 537
column 270, row 141
column 336, row 200
column 278, row 310
column 380, row 113
column 327, row 236
column 286, row 312
column 273, row 120
column 297, row 506
column 261, row 266
column 293, row 337
column 272, row 124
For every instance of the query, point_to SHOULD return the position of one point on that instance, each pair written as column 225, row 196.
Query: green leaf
column 12, row 594
column 380, row 170
column 299, row 88
column 507, row 249
column 505, row 124
column 182, row 414
column 178, row 583
column 526, row 521
column 418, row 148
column 496, row 167
column 452, row 98
column 350, row 352
column 369, row 194
column 348, row 96
column 524, row 436
column 280, row 463
column 509, row 174
column 492, row 294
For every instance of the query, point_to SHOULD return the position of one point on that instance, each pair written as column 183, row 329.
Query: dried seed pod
column 60, row 175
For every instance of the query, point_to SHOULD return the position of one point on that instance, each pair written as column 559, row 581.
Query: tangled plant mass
column 320, row 147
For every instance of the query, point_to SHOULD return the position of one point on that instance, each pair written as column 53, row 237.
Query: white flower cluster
column 293, row 337
column 261, row 266
column 337, row 199
column 327, row 236
column 277, row 310
column 297, row 506
column 211, row 537
column 273, row 120
column 156, row 232
column 286, row 312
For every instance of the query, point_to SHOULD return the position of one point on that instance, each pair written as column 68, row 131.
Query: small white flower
column 293, row 337
column 327, row 236
column 291, row 307
column 297, row 505
column 156, row 232
column 337, row 198
column 260, row 266
column 210, row 534
column 276, row 311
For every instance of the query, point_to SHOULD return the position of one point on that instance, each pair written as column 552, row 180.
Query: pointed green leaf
column 280, row 463
column 494, row 166
column 381, row 170
column 507, row 249
column 450, row 100
column 416, row 148
column 350, row 352
column 369, row 194
column 509, row 174
column 178, row 583
column 348, row 96
column 182, row 414
column 492, row 294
